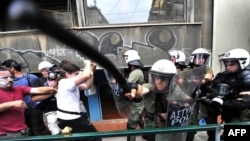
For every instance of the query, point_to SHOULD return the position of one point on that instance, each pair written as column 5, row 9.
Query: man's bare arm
column 39, row 97
column 7, row 105
column 43, row 90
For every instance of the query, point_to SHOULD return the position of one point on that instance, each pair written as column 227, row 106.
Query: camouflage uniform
column 137, row 104
column 156, row 115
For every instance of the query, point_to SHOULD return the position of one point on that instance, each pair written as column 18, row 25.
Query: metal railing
column 120, row 133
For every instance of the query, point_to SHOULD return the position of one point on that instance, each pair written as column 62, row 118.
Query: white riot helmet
column 178, row 55
column 132, row 58
column 200, row 53
column 240, row 56
column 162, row 70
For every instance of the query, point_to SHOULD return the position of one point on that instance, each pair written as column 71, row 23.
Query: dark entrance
column 108, row 107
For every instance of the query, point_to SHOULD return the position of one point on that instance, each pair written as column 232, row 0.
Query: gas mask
column 220, row 92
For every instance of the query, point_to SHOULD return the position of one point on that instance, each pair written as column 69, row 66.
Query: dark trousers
column 34, row 120
column 79, row 125
column 211, row 119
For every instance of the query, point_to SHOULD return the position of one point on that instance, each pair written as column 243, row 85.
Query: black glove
column 129, row 87
column 133, row 86
column 204, row 100
column 208, row 85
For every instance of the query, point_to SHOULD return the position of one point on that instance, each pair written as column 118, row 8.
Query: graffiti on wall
column 152, row 43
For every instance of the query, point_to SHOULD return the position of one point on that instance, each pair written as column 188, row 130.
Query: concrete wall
column 231, row 28
column 203, row 10
column 152, row 42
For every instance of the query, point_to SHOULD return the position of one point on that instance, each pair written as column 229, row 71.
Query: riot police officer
column 234, row 102
column 136, row 75
column 199, row 58
column 178, row 57
column 155, row 106
column 162, row 103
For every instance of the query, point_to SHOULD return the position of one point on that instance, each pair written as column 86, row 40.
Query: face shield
column 228, row 63
column 200, row 59
column 160, row 82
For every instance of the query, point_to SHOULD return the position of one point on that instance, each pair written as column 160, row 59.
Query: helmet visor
column 228, row 63
column 136, row 63
column 160, row 82
column 200, row 59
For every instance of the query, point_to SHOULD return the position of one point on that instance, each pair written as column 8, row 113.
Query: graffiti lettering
column 57, row 51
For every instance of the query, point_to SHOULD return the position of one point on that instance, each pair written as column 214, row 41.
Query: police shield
column 122, row 105
column 183, row 92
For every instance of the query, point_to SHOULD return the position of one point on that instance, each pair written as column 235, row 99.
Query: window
column 134, row 11
column 63, row 11
column 79, row 13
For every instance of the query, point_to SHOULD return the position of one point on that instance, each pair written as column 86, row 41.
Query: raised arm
column 88, row 84
column 86, row 74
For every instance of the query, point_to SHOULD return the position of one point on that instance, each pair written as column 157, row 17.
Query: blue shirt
column 23, row 81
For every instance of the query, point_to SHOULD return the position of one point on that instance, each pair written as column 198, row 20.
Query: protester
column 33, row 112
column 69, row 112
column 49, row 76
column 12, row 122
